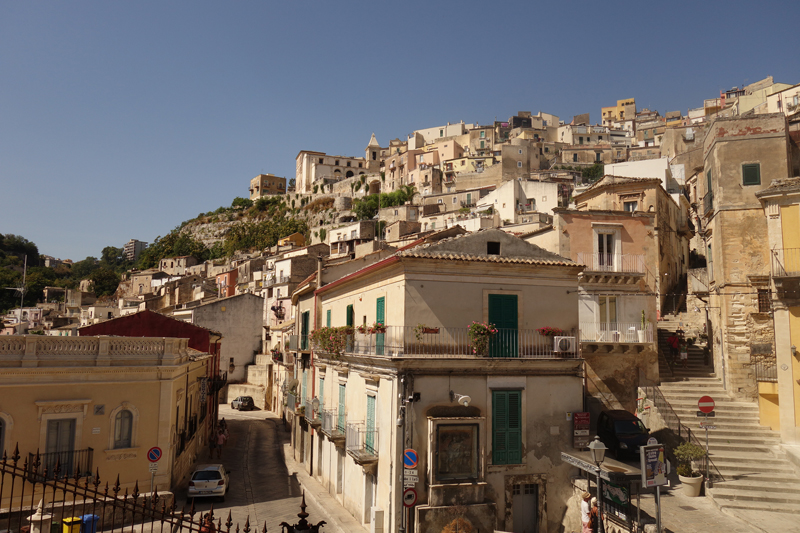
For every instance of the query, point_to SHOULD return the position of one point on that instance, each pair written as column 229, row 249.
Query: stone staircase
column 757, row 475
column 696, row 366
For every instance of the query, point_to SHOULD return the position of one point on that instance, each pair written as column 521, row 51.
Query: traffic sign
column 410, row 458
column 153, row 467
column 706, row 404
column 410, row 472
column 411, row 479
column 154, row 454
column 701, row 414
column 409, row 497
column 707, row 426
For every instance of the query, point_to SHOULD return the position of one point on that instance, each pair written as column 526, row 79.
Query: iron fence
column 785, row 262
column 71, row 462
column 407, row 341
column 291, row 401
column 54, row 496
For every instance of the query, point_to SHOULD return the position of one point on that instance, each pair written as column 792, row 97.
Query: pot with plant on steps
column 691, row 480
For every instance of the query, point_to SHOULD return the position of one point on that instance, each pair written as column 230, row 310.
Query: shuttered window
column 328, row 318
column 751, row 174
column 350, row 315
column 369, row 440
column 321, row 394
column 506, row 427
column 340, row 418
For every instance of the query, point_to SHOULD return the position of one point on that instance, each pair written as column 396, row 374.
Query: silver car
column 208, row 481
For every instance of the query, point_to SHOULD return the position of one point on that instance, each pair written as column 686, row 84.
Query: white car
column 208, row 481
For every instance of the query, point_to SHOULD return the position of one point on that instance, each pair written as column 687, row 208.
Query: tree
column 82, row 269
column 242, row 202
column 593, row 173
column 105, row 281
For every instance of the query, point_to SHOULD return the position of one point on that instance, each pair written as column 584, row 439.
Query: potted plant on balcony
column 479, row 334
column 549, row 331
column 330, row 340
column 422, row 329
column 641, row 333
column 691, row 479
column 377, row 327
column 362, row 328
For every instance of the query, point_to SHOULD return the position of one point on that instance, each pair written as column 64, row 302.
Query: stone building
column 741, row 157
column 266, row 184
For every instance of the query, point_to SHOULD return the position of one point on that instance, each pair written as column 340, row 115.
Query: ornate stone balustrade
column 36, row 350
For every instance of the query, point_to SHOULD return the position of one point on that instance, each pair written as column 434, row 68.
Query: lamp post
column 598, row 451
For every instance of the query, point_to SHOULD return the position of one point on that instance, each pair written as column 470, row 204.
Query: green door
column 380, row 318
column 503, row 314
column 370, row 436
column 304, row 331
column 350, row 322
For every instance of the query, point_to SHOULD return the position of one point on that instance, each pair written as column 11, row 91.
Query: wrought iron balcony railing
column 362, row 442
column 60, row 464
column 616, row 332
column 627, row 263
column 785, row 262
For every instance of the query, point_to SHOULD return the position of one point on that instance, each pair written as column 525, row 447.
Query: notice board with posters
column 581, row 424
column 654, row 465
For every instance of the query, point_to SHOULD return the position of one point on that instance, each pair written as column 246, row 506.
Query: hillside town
column 463, row 309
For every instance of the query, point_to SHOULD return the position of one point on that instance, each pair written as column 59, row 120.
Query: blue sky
column 120, row 120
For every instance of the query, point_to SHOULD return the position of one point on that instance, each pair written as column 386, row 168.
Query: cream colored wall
column 364, row 301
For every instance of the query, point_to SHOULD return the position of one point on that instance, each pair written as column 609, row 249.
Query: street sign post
column 410, row 458
column 706, row 406
column 701, row 414
column 153, row 455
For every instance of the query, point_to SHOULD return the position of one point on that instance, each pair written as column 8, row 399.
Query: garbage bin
column 55, row 526
column 72, row 524
column 89, row 523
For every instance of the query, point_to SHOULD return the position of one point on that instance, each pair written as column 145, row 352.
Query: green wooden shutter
column 503, row 314
column 751, row 174
column 304, row 331
column 321, row 394
column 305, row 384
column 328, row 318
column 340, row 421
column 506, row 427
column 350, row 315
column 370, row 436
column 380, row 317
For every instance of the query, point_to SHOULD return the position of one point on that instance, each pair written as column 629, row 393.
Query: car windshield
column 207, row 475
column 247, row 399
column 629, row 427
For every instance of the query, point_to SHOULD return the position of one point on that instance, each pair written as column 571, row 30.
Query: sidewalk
column 338, row 519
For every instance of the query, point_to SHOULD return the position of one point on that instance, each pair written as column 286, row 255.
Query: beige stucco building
column 102, row 402
column 266, row 184
column 493, row 445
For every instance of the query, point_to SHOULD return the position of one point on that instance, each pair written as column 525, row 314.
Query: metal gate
column 35, row 495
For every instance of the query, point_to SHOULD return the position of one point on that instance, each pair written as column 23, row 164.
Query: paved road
column 261, row 486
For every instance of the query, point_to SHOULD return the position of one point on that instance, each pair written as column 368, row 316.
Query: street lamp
column 598, row 451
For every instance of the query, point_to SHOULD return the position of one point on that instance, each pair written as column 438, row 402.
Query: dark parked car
column 243, row 403
column 622, row 432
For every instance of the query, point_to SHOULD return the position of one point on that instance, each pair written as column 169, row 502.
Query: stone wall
column 612, row 379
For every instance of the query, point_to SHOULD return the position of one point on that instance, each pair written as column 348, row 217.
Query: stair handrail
column 675, row 425
column 669, row 360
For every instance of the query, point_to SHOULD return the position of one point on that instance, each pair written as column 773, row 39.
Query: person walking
column 594, row 516
column 585, row 513
column 221, row 439
column 672, row 341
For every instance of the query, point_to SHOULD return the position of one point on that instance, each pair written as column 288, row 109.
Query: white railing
column 89, row 348
column 597, row 262
column 291, row 401
column 616, row 332
column 455, row 343
column 310, row 413
column 330, row 422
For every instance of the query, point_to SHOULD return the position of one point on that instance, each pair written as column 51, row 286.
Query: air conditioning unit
column 564, row 344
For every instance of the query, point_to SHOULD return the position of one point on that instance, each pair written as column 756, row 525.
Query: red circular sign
column 705, row 404
column 409, row 497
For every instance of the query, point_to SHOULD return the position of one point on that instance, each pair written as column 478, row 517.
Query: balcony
column 766, row 371
column 615, row 336
column 60, row 465
column 786, row 272
column 291, row 401
column 311, row 415
column 331, row 426
column 362, row 443
column 454, row 343
column 612, row 268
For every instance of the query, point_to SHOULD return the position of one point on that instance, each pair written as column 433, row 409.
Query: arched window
column 123, row 429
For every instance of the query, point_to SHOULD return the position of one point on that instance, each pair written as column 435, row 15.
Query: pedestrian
column 585, row 513
column 220, row 442
column 208, row 524
column 672, row 340
column 594, row 516
column 684, row 347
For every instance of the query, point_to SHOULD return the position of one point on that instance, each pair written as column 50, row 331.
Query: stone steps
column 788, row 508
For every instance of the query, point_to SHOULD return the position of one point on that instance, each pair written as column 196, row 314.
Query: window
column 605, row 250
column 320, row 160
column 336, row 163
column 328, row 318
column 580, row 140
column 492, row 248
column 597, row 156
column 519, row 164
column 359, row 165
column 440, row 201
column 304, row 330
column 369, row 439
column 751, row 174
column 321, row 394
column 520, row 152
column 482, row 144
column 574, row 158
column 340, row 411
column 441, row 133
column 607, row 311
column 506, row 427
column 764, row 302
column 483, row 134
column 348, row 163
column 630, row 206
column 123, row 428
column 547, row 149
column 455, row 199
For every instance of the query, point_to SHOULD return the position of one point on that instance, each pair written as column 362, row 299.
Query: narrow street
column 260, row 484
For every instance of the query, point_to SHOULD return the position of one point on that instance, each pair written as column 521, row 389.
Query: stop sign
column 705, row 404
